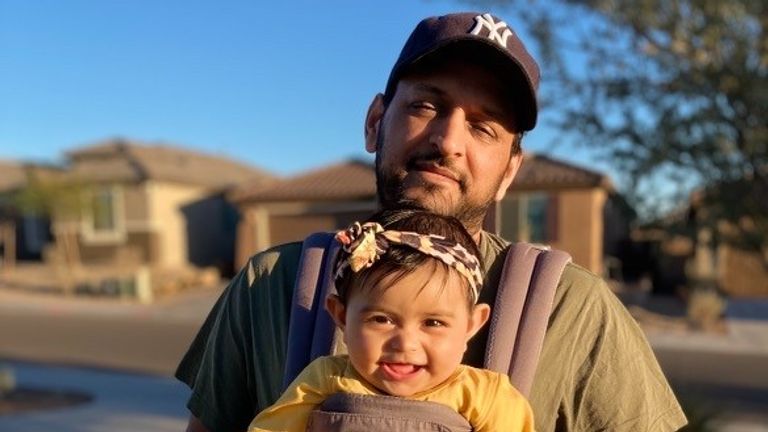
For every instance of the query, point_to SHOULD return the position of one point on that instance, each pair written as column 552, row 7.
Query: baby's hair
column 400, row 260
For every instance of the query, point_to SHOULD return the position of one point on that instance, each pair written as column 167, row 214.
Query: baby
column 407, row 289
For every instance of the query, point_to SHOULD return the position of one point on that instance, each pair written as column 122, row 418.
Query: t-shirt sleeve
column 291, row 412
column 598, row 359
column 235, row 363
column 622, row 385
column 501, row 407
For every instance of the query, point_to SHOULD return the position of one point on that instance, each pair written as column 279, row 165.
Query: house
column 550, row 202
column 151, row 204
column 323, row 199
column 565, row 206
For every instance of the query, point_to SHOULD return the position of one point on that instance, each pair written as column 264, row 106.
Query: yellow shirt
column 486, row 399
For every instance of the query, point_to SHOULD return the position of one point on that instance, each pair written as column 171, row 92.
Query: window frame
column 520, row 203
column 89, row 231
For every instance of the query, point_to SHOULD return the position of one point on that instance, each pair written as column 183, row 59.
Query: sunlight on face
column 445, row 143
column 408, row 336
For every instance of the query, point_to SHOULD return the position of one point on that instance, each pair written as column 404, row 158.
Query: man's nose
column 449, row 134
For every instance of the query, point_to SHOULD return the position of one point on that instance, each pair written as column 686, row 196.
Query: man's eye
column 423, row 106
column 484, row 129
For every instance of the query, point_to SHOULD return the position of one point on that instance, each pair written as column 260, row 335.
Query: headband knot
column 359, row 241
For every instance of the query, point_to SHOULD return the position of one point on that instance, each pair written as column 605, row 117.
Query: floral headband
column 365, row 243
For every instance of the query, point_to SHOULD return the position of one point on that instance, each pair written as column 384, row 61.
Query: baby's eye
column 379, row 319
column 434, row 323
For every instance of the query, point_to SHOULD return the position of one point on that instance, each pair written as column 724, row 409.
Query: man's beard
column 391, row 193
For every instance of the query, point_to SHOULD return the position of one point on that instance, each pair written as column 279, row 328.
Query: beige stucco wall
column 263, row 225
column 580, row 226
column 136, row 203
column 165, row 217
column 290, row 228
column 579, row 231
column 131, row 241
column 135, row 249
column 579, row 220
column 153, row 225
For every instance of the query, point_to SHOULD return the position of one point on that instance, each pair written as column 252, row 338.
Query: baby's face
column 411, row 336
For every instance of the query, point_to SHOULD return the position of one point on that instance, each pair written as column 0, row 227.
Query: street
column 101, row 333
column 152, row 338
column 119, row 342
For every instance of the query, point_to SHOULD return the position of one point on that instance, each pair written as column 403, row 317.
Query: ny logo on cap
column 487, row 21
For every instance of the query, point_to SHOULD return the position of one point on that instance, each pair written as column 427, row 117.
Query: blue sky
column 281, row 85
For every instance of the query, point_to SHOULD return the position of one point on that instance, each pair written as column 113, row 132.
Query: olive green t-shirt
column 596, row 370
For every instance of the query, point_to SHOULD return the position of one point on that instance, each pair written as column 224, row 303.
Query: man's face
column 444, row 142
column 405, row 336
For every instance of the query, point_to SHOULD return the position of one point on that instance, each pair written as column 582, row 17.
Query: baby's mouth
column 399, row 371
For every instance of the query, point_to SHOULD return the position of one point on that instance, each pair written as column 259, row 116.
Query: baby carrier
column 518, row 323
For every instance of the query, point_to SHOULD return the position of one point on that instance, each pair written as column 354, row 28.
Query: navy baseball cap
column 488, row 34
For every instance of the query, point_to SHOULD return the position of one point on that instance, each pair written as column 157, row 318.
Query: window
column 103, row 215
column 529, row 217
column 103, row 210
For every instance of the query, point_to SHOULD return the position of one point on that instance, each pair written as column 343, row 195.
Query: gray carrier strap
column 345, row 412
column 310, row 329
column 524, row 298
column 518, row 320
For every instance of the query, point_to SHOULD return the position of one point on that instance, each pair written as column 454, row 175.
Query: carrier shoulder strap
column 521, row 311
column 519, row 318
column 310, row 334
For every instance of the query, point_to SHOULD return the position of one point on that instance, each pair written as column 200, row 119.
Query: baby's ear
column 337, row 310
column 477, row 318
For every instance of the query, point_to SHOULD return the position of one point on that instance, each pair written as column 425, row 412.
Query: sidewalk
column 742, row 336
column 744, row 330
column 121, row 402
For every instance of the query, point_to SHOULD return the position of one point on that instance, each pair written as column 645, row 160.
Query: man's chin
column 429, row 200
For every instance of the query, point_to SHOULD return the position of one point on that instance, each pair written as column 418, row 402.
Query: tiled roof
column 356, row 179
column 350, row 179
column 121, row 160
column 542, row 172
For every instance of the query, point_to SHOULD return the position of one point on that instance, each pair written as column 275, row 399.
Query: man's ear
column 373, row 122
column 477, row 318
column 509, row 174
column 337, row 310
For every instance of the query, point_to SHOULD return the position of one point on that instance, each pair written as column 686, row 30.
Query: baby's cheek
column 448, row 351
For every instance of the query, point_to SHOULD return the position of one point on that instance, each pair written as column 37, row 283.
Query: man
column 446, row 134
